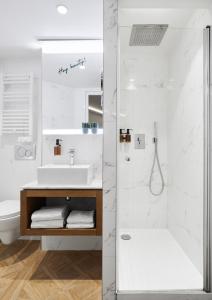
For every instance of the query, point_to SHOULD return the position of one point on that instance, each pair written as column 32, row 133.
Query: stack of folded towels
column 80, row 219
column 49, row 217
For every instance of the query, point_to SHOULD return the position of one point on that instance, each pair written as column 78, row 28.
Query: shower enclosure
column 162, row 173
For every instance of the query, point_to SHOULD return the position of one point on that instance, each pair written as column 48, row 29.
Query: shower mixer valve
column 139, row 141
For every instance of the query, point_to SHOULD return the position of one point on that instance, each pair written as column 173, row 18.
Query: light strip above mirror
column 71, row 46
column 70, row 132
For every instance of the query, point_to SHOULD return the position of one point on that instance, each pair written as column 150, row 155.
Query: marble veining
column 109, row 148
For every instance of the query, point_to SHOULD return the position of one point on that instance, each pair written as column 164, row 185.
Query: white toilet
column 9, row 221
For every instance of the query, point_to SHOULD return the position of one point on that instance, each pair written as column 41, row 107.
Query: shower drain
column 125, row 237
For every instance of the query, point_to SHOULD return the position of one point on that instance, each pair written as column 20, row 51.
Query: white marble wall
column 109, row 148
column 143, row 100
column 185, row 140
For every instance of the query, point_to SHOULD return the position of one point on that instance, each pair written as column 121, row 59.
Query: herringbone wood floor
column 28, row 273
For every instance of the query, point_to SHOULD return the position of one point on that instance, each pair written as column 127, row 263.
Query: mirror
column 95, row 108
column 72, row 87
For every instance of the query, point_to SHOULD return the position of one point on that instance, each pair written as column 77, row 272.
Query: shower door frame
column 206, row 293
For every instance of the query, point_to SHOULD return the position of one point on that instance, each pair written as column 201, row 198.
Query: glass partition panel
column 160, row 159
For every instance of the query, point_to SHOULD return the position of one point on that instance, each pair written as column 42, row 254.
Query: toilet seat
column 9, row 209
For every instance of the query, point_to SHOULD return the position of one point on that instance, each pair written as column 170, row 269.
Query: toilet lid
column 9, row 208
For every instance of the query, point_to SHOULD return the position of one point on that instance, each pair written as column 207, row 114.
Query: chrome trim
column 207, row 163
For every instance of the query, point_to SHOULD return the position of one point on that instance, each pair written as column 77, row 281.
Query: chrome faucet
column 72, row 156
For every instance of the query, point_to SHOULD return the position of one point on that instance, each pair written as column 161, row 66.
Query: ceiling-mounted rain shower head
column 147, row 34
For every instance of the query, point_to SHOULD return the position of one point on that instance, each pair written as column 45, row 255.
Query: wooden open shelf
column 32, row 200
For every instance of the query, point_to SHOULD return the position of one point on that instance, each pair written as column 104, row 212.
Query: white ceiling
column 75, row 78
column 23, row 21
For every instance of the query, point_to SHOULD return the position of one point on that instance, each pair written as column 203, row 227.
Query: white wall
column 139, row 108
column 15, row 174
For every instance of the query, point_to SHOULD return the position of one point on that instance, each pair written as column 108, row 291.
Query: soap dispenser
column 125, row 136
column 57, row 147
column 128, row 136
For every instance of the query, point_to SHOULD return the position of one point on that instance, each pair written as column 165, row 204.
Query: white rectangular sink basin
column 65, row 174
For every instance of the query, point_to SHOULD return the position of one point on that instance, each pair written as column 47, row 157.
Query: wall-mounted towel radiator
column 16, row 96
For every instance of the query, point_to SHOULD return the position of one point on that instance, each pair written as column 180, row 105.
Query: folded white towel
column 49, row 213
column 91, row 225
column 81, row 217
column 48, row 224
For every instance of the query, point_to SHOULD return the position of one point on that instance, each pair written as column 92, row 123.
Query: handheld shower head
column 155, row 136
column 155, row 129
column 156, row 162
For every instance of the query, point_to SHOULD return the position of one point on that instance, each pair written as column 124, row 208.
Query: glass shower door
column 162, row 161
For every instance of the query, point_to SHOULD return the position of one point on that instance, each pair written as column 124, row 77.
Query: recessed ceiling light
column 62, row 9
